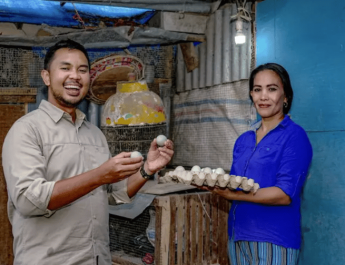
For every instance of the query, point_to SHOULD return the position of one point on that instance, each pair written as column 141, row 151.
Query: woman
column 264, row 228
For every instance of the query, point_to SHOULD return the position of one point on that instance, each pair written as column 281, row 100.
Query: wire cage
column 128, row 236
column 132, row 138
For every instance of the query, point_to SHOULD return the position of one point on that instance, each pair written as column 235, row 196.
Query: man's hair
column 284, row 76
column 70, row 44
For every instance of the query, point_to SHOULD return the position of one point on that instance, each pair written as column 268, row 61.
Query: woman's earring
column 285, row 104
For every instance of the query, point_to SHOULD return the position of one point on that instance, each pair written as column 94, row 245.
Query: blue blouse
column 281, row 159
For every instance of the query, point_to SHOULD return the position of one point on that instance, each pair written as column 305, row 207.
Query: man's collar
column 56, row 114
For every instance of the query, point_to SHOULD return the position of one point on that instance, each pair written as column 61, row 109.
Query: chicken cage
column 132, row 138
column 190, row 228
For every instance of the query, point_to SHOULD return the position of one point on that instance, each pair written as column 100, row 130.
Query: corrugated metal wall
column 220, row 59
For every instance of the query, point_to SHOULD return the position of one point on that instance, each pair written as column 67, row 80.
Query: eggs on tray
column 209, row 177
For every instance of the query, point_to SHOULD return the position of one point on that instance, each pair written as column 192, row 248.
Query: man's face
column 68, row 78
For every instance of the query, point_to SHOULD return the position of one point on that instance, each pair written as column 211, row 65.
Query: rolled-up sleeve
column 24, row 169
column 294, row 164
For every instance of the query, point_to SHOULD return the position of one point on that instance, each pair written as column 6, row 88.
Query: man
column 58, row 168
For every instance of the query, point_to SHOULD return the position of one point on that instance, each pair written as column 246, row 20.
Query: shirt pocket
column 240, row 152
column 268, row 155
column 96, row 156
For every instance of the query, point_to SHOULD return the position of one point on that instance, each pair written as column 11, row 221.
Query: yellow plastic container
column 133, row 104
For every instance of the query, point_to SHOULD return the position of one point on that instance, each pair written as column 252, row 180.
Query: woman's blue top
column 281, row 159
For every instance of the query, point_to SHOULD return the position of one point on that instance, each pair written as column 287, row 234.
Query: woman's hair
column 284, row 76
column 70, row 44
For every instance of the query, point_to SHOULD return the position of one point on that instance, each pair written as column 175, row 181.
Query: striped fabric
column 207, row 122
column 260, row 253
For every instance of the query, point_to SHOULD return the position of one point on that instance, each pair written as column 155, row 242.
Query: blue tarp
column 53, row 14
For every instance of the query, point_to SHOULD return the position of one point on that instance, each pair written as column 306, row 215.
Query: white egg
column 161, row 140
column 207, row 170
column 220, row 171
column 135, row 154
column 196, row 168
column 179, row 168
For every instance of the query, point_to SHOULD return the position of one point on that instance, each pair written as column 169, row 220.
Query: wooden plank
column 18, row 91
column 121, row 261
column 187, row 250
column 17, row 99
column 215, row 242
column 193, row 230
column 159, row 83
column 200, row 231
column 180, row 225
column 165, row 188
column 174, row 21
column 164, row 202
column 189, row 55
column 8, row 115
column 158, row 233
column 198, row 38
column 223, row 212
column 172, row 247
column 168, row 69
column 207, row 244
column 17, row 95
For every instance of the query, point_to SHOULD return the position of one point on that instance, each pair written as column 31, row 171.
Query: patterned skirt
column 260, row 253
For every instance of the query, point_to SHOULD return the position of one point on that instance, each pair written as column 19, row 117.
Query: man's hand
column 158, row 157
column 120, row 167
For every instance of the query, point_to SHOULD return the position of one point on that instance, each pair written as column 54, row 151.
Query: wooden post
column 172, row 249
column 162, row 254
column 215, row 242
column 8, row 115
column 190, row 57
column 180, row 227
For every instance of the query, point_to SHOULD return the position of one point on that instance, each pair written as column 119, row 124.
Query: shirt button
column 94, row 217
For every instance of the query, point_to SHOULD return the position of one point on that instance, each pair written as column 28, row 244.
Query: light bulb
column 240, row 38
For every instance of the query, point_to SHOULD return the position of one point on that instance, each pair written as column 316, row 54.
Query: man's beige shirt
column 41, row 148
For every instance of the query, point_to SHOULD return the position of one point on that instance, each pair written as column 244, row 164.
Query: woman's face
column 268, row 94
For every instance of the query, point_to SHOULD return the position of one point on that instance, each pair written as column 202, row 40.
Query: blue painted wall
column 307, row 38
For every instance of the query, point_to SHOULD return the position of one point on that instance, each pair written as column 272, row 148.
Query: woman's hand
column 224, row 192
column 268, row 196
column 159, row 157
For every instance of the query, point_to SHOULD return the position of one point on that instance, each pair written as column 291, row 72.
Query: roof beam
column 168, row 5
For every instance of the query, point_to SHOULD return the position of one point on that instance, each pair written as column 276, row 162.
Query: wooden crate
column 190, row 229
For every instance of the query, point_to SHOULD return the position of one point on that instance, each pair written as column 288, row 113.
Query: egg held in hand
column 136, row 154
column 161, row 140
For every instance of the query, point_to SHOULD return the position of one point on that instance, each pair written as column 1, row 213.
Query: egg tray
column 211, row 180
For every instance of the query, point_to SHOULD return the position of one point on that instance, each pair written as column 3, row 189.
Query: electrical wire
column 78, row 17
column 242, row 12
